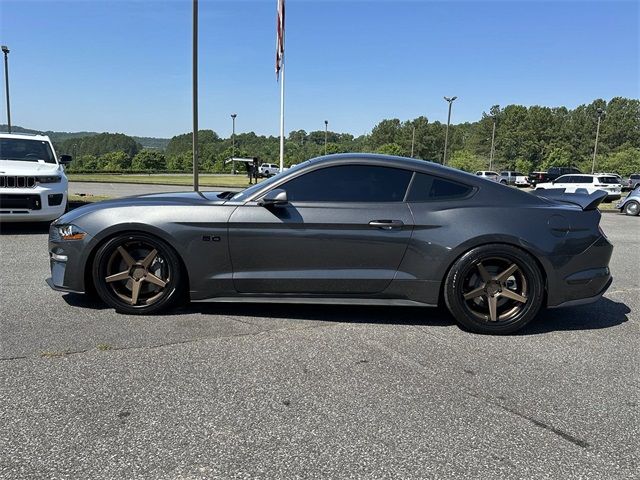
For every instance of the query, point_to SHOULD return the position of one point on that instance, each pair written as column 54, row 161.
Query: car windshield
column 25, row 150
column 247, row 192
column 608, row 180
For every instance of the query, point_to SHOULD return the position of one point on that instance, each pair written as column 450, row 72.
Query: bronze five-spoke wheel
column 494, row 289
column 136, row 273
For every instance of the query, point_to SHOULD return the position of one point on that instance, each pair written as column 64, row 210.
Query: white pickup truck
column 33, row 186
column 268, row 170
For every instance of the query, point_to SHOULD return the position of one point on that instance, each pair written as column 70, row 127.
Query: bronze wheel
column 494, row 289
column 136, row 273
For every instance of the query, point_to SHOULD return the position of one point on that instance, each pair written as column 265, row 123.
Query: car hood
column 152, row 200
column 16, row 167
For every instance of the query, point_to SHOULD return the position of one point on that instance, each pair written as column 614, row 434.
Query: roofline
column 413, row 164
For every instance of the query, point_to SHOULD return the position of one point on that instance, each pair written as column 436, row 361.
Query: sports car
column 343, row 229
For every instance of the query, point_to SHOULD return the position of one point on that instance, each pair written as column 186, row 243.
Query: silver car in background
column 631, row 204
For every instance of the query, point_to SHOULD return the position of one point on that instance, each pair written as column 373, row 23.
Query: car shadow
column 82, row 300
column 381, row 315
column 605, row 313
column 24, row 228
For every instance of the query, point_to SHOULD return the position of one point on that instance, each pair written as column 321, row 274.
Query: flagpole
column 282, row 116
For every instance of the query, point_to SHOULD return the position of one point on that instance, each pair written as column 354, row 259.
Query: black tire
column 631, row 208
column 503, row 182
column 486, row 288
column 162, row 268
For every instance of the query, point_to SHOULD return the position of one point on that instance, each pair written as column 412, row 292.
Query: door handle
column 386, row 224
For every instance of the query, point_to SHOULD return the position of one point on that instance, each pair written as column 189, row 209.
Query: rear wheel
column 137, row 273
column 631, row 208
column 494, row 289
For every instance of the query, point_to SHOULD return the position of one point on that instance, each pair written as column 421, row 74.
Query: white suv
column 586, row 184
column 33, row 186
column 493, row 176
column 268, row 169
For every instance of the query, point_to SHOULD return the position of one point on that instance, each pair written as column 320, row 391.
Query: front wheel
column 494, row 289
column 632, row 208
column 137, row 273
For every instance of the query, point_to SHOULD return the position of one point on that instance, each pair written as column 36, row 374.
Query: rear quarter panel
column 444, row 231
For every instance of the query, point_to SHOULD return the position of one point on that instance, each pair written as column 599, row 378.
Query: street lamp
column 493, row 139
column 413, row 140
column 233, row 143
column 326, row 131
column 5, row 50
column 194, row 74
column 600, row 113
column 446, row 135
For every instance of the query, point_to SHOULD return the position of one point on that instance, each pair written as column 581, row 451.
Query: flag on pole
column 279, row 37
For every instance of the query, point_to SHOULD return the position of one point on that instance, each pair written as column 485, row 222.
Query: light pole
column 326, row 131
column 5, row 50
column 446, row 135
column 493, row 139
column 195, row 95
column 413, row 140
column 600, row 113
column 233, row 143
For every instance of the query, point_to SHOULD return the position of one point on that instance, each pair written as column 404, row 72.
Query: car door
column 583, row 184
column 343, row 230
column 566, row 182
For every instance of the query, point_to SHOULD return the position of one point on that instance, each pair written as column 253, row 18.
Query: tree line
column 526, row 139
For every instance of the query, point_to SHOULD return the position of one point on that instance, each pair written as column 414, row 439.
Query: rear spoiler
column 583, row 200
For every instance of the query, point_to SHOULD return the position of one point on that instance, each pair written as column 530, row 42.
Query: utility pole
column 195, row 95
column 600, row 112
column 5, row 50
column 446, row 135
column 233, row 143
column 326, row 131
column 413, row 140
column 493, row 139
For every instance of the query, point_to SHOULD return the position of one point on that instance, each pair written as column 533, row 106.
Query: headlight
column 49, row 179
column 70, row 232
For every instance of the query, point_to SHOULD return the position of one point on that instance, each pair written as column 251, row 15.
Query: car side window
column 350, row 183
column 565, row 179
column 427, row 188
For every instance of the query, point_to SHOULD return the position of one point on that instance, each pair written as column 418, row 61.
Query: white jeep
column 268, row 170
column 33, row 185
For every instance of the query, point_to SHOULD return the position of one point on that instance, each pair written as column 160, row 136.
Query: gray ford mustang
column 351, row 229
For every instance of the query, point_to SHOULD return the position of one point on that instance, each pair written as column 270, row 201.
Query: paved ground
column 326, row 392
column 127, row 189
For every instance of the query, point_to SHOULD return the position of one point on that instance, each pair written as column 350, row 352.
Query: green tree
column 559, row 157
column 391, row 149
column 467, row 161
column 624, row 162
column 149, row 160
column 114, row 162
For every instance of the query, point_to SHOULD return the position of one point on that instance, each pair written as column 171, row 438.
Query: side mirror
column 65, row 159
column 274, row 198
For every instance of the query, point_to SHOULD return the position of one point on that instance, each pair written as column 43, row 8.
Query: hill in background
column 58, row 137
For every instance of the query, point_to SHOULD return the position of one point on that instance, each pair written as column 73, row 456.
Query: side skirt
column 316, row 300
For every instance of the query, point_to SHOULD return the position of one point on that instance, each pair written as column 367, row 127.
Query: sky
column 125, row 66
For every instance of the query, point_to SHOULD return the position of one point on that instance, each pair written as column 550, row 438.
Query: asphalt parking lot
column 225, row 391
